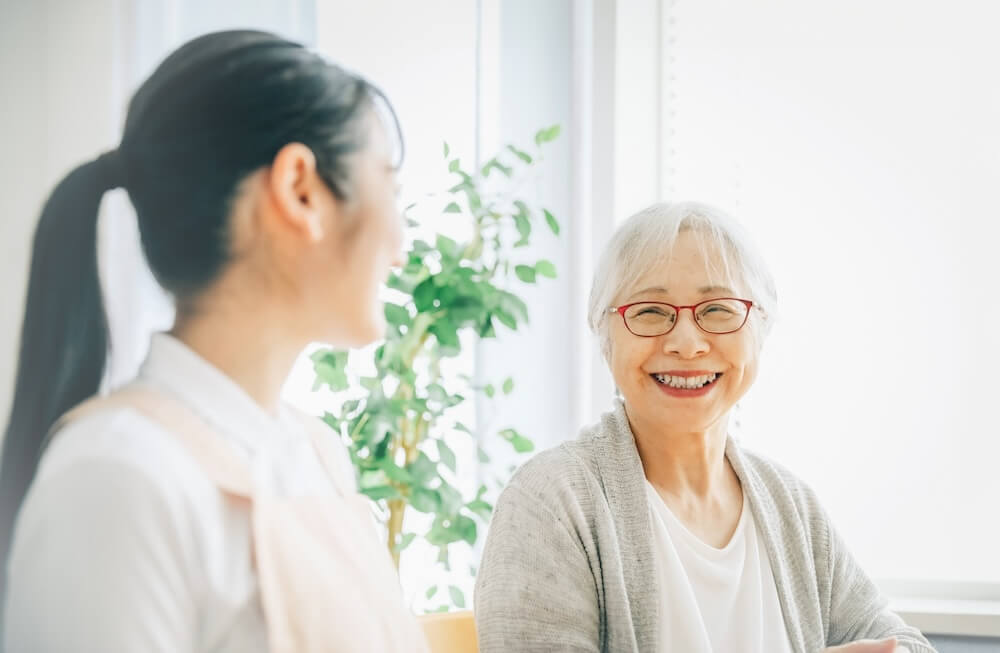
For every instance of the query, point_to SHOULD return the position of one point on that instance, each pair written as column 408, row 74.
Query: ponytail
column 64, row 337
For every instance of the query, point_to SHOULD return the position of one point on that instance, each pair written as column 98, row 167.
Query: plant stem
column 397, row 510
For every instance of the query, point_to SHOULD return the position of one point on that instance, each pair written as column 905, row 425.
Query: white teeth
column 688, row 383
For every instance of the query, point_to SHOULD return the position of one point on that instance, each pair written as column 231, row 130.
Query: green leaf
column 453, row 207
column 489, row 390
column 508, row 385
column 448, row 291
column 445, row 332
column 547, row 135
column 546, row 269
column 424, row 294
column 439, row 610
column 447, row 151
column 451, row 499
column 521, row 444
column 395, row 472
column 475, row 202
column 329, row 366
column 332, row 420
column 524, row 156
column 482, row 455
column 405, row 541
column 523, row 228
column 401, row 282
column 551, row 221
column 466, row 528
column 481, row 509
column 425, row 500
column 457, row 597
column 467, row 310
column 380, row 492
column 462, row 427
column 525, row 273
column 446, row 455
column 494, row 164
column 369, row 383
column 506, row 319
column 435, row 392
column 441, row 535
column 396, row 314
column 431, row 592
column 447, row 246
column 423, row 469
column 453, row 165
column 487, row 330
column 514, row 305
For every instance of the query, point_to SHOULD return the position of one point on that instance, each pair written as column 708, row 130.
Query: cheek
column 627, row 358
column 743, row 358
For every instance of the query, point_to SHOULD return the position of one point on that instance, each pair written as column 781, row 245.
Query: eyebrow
column 704, row 290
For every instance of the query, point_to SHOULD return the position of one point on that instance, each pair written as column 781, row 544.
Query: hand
column 869, row 646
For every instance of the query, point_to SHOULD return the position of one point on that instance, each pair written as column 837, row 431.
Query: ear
column 296, row 190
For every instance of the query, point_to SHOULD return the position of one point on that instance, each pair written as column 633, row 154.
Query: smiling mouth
column 686, row 383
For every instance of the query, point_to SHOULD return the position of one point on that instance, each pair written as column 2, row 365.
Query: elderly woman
column 655, row 531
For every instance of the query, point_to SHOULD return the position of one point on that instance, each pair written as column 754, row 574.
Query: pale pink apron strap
column 221, row 464
column 323, row 439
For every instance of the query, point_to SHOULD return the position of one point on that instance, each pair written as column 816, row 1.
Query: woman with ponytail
column 191, row 510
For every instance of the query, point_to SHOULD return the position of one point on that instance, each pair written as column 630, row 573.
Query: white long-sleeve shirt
column 123, row 544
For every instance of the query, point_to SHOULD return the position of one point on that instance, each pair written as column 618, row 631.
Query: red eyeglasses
column 717, row 316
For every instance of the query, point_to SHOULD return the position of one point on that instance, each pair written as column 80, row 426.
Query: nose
column 686, row 339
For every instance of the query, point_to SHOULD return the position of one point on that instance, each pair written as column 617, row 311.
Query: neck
column 252, row 347
column 689, row 464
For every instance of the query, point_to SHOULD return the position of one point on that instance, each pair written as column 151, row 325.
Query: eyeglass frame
column 746, row 318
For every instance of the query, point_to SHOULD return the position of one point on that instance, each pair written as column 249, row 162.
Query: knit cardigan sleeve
column 535, row 590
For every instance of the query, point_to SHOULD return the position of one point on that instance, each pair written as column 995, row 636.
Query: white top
column 715, row 600
column 123, row 544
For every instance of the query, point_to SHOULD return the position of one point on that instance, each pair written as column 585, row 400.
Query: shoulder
column 777, row 479
column 102, row 526
column 116, row 470
column 123, row 439
column 562, row 474
column 795, row 510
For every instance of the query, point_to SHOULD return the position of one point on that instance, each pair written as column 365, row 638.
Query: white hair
column 646, row 238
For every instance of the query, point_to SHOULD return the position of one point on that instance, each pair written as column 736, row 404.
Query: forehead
column 693, row 264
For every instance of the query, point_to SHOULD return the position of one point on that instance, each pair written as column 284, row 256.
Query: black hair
column 214, row 111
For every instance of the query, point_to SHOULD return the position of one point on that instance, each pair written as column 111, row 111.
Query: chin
column 366, row 335
column 359, row 334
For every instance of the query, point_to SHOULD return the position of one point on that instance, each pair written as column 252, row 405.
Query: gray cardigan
column 568, row 563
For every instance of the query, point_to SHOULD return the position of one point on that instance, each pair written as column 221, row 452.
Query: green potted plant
column 397, row 425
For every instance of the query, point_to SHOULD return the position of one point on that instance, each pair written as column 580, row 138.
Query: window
column 858, row 141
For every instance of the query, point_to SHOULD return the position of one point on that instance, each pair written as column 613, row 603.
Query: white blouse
column 715, row 600
column 123, row 544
